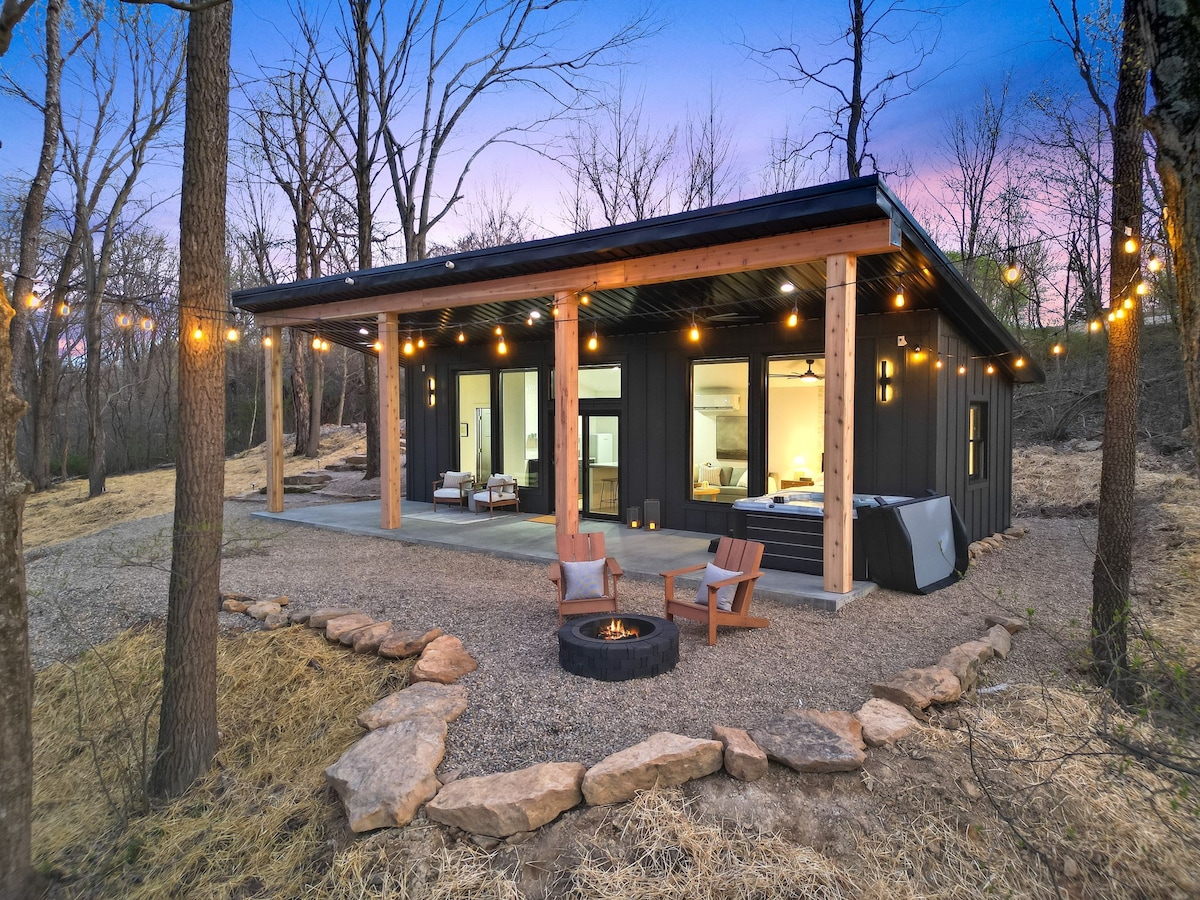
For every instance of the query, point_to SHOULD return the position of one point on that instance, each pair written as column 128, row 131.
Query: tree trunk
column 300, row 409
column 1112, row 570
column 35, row 203
column 16, row 674
column 92, row 378
column 1173, row 49
column 371, row 413
column 313, row 449
column 341, row 404
column 187, row 736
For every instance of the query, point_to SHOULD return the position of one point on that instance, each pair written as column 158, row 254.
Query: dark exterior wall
column 985, row 505
column 902, row 447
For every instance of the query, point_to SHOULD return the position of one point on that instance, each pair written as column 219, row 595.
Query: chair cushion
column 448, row 494
column 724, row 595
column 499, row 480
column 455, row 479
column 584, row 580
column 494, row 496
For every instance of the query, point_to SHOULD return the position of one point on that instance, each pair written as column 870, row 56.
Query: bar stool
column 608, row 492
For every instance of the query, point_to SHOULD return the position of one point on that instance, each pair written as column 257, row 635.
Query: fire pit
column 616, row 647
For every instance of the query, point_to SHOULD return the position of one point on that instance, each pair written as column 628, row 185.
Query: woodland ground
column 1020, row 792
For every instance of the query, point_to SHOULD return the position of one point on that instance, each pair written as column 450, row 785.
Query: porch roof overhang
column 723, row 265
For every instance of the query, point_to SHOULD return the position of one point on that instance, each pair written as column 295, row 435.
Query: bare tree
column 708, row 143
column 622, row 169
column 856, row 97
column 1173, row 55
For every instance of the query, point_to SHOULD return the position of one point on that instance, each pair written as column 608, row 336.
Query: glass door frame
column 588, row 410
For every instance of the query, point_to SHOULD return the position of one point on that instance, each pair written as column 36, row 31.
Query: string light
column 503, row 348
column 232, row 335
column 420, row 342
column 793, row 318
column 594, row 340
column 147, row 324
column 962, row 369
column 585, row 299
column 1142, row 289
column 124, row 320
column 1131, row 242
column 462, row 338
column 408, row 346
column 266, row 341
column 33, row 301
column 694, row 331
column 197, row 333
column 1020, row 363
column 64, row 309
column 1155, row 264
column 991, row 370
column 1012, row 272
column 1128, row 303
column 938, row 364
column 918, row 353
column 316, row 342
column 378, row 345
column 498, row 331
column 1094, row 325
column 899, row 300
column 1057, row 349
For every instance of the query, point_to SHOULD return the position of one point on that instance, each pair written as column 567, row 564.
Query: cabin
column 673, row 370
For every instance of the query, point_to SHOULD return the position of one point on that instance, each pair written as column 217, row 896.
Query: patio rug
column 545, row 520
column 449, row 517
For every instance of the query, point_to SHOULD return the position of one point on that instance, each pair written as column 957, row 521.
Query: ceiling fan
column 808, row 376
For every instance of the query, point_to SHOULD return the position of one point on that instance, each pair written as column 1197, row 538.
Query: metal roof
column 930, row 280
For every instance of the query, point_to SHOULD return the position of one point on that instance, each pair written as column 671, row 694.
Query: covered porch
column 643, row 555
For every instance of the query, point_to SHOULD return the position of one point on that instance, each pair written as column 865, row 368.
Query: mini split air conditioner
column 718, row 401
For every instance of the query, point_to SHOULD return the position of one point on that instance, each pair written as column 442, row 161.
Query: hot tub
column 909, row 544
column 790, row 525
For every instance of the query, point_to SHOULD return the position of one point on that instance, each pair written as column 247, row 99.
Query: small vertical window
column 977, row 442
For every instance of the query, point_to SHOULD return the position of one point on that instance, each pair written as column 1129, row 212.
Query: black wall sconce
column 431, row 397
column 885, row 381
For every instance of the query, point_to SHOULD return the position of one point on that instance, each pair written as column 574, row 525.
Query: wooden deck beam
column 841, row 288
column 861, row 239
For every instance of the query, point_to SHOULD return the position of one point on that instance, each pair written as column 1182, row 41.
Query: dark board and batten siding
column 914, row 444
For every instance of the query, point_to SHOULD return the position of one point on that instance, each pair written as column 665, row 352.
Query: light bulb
column 1155, row 264
column 420, row 343
column 147, row 324
column 991, row 370
column 962, row 370
column 408, row 347
column 694, row 333
column 899, row 299
column 1094, row 325
column 503, row 348
column 1020, row 363
column 266, row 342
column 787, row 287
column 64, row 309
column 232, row 335
column 1142, row 289
column 124, row 320
column 498, row 331
column 939, row 363
column 33, row 301
column 197, row 333
column 1012, row 274
column 1128, row 303
column 1057, row 349
column 462, row 338
column 585, row 299
column 378, row 345
column 793, row 318
column 593, row 342
column 1131, row 244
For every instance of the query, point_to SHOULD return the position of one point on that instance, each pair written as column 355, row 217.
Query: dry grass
column 262, row 820
column 64, row 511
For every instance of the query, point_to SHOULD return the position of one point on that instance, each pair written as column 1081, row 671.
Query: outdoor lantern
column 633, row 517
column 653, row 514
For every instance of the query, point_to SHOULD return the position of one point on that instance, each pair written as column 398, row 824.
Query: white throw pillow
column 741, row 482
column 455, row 479
column 724, row 595
column 584, row 580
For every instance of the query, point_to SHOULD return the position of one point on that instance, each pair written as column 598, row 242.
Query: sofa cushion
column 726, row 474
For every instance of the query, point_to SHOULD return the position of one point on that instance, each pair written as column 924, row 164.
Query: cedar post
column 273, row 348
column 389, row 421
column 840, row 310
column 566, row 414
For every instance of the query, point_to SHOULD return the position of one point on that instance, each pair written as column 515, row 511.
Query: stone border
column 391, row 772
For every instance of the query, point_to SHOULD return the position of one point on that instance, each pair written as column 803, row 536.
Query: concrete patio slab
column 642, row 554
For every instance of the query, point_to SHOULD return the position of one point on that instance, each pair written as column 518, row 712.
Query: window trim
column 977, row 443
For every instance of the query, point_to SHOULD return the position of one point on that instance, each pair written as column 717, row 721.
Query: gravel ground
column 523, row 707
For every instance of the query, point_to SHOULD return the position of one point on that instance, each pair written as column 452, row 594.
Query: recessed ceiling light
column 363, row 331
column 787, row 287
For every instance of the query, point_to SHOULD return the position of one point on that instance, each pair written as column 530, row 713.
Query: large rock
column 510, row 802
column 915, row 689
column 426, row 698
column 884, row 722
column 402, row 644
column 367, row 640
column 981, row 650
column 342, row 625
column 275, row 621
column 314, row 478
column 389, row 773
column 321, row 617
column 233, row 605
column 663, row 759
column 744, row 759
column 263, row 608
column 444, row 661
column 965, row 665
column 1011, row 624
column 812, row 741
column 999, row 639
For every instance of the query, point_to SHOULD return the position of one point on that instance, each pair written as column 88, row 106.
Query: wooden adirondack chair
column 587, row 547
column 733, row 555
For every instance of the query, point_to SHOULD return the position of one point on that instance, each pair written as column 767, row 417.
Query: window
column 795, row 423
column 977, row 442
column 720, row 451
column 519, row 421
column 475, row 423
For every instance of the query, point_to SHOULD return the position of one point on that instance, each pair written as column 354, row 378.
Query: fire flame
column 616, row 630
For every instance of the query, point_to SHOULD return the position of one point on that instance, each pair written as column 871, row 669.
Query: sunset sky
column 701, row 43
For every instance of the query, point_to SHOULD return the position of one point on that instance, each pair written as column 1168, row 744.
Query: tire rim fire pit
column 616, row 647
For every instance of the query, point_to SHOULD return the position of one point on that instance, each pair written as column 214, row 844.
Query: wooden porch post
column 840, row 310
column 273, row 368
column 566, row 414
column 389, row 421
